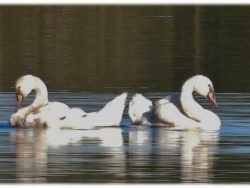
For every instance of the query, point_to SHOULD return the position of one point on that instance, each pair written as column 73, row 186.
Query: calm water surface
column 87, row 55
column 128, row 153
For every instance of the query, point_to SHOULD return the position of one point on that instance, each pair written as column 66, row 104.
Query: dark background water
column 88, row 54
column 125, row 48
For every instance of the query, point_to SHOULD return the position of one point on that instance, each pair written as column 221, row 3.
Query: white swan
column 40, row 110
column 109, row 115
column 42, row 113
column 178, row 110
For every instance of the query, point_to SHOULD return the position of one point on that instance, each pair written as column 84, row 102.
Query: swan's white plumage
column 58, row 115
column 110, row 114
column 140, row 110
column 37, row 113
column 50, row 111
column 180, row 111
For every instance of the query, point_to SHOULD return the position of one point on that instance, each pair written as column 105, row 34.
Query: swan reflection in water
column 180, row 156
column 197, row 156
column 31, row 155
column 41, row 153
column 133, row 154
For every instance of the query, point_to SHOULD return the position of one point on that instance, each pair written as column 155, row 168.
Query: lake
column 89, row 54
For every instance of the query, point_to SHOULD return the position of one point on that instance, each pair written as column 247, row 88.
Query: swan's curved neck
column 189, row 105
column 41, row 91
column 193, row 110
column 41, row 97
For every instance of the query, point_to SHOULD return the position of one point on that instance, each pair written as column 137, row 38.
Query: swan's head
column 24, row 85
column 204, row 87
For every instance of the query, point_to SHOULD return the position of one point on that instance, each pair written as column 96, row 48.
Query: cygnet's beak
column 212, row 99
column 19, row 100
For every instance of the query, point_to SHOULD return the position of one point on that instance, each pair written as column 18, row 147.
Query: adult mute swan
column 178, row 110
column 109, row 115
column 42, row 113
column 41, row 109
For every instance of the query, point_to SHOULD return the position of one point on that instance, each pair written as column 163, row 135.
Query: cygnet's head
column 204, row 86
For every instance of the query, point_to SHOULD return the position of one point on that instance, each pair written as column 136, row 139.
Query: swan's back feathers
column 141, row 110
column 172, row 98
column 168, row 114
column 40, row 116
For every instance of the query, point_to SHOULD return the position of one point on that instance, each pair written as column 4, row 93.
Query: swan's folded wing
column 167, row 113
column 48, row 113
column 110, row 114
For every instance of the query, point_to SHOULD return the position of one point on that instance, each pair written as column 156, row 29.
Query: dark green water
column 89, row 54
column 133, row 48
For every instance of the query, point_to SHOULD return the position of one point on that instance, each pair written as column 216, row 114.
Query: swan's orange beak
column 212, row 99
column 19, row 100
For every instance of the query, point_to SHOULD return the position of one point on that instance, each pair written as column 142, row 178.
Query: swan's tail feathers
column 140, row 110
column 112, row 112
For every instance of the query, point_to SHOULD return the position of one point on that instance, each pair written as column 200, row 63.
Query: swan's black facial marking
column 19, row 98
column 211, row 96
column 18, row 90
column 62, row 118
column 211, row 89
